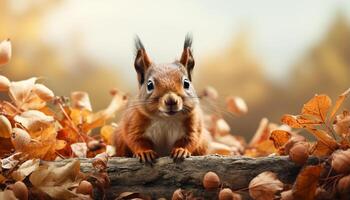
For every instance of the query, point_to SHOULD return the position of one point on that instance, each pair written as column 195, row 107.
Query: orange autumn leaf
column 324, row 137
column 291, row 120
column 320, row 149
column 306, row 182
column 279, row 138
column 338, row 103
column 318, row 107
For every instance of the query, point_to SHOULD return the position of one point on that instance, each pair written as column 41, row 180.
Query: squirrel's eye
column 186, row 84
column 150, row 86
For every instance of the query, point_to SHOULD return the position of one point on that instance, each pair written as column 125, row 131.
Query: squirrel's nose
column 170, row 102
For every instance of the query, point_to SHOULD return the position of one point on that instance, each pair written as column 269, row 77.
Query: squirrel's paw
column 179, row 154
column 147, row 156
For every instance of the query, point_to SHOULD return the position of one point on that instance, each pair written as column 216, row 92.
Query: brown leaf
column 338, row 103
column 280, row 138
column 291, row 120
column 320, row 149
column 318, row 107
column 306, row 182
column 323, row 137
column 25, row 169
column 57, row 181
column 34, row 120
column 10, row 162
column 264, row 186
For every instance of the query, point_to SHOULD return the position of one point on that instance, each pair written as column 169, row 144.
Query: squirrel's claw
column 179, row 154
column 148, row 156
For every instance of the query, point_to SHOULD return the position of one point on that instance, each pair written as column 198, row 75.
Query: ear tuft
column 142, row 61
column 187, row 59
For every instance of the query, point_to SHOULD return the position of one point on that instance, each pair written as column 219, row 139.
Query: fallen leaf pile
column 38, row 126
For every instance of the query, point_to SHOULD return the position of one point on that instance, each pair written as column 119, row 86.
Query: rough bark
column 165, row 176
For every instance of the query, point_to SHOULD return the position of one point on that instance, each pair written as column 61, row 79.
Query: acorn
column 20, row 190
column 293, row 140
column 20, row 138
column 211, row 181
column 343, row 186
column 5, row 127
column 341, row 161
column 226, row 194
column 299, row 153
column 85, row 187
column 4, row 83
column 178, row 195
column 43, row 92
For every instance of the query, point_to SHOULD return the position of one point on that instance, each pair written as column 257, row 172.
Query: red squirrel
column 165, row 118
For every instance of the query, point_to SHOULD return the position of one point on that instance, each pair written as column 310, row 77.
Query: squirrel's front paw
column 147, row 156
column 179, row 154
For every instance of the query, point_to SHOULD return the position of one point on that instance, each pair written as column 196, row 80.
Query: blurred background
column 274, row 54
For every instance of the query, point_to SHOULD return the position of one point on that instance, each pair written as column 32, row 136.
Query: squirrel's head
column 165, row 89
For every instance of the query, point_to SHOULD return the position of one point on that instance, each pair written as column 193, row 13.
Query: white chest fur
column 164, row 133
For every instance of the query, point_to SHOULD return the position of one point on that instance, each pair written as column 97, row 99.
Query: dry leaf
column 5, row 51
column 25, row 169
column 236, row 105
column 79, row 149
column 306, row 182
column 318, row 107
column 57, row 181
column 323, row 137
column 81, row 100
column 279, row 138
column 264, row 186
column 10, row 162
column 342, row 124
column 338, row 103
column 34, row 120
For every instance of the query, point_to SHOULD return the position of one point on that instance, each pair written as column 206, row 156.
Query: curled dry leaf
column 5, row 127
column 341, row 161
column 306, row 182
column 342, row 124
column 4, row 83
column 20, row 139
column 81, row 100
column 236, row 105
column 25, row 169
column 10, row 162
column 5, row 51
column 338, row 103
column 79, row 149
column 57, row 181
column 34, row 120
column 100, row 161
column 21, row 93
column 323, row 137
column 43, row 92
column 264, row 186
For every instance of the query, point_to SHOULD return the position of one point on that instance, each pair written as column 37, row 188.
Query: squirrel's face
column 166, row 89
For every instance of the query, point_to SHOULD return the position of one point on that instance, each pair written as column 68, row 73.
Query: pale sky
column 281, row 31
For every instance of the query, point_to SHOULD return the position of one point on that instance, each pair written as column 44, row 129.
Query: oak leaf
column 265, row 186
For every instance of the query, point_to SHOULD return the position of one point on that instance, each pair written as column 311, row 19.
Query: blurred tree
column 21, row 21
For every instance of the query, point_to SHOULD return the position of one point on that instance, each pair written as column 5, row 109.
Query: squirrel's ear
column 142, row 61
column 187, row 57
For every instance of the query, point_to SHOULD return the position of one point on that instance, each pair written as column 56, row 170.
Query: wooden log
column 164, row 177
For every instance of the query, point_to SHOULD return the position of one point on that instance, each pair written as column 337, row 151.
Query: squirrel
column 165, row 118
